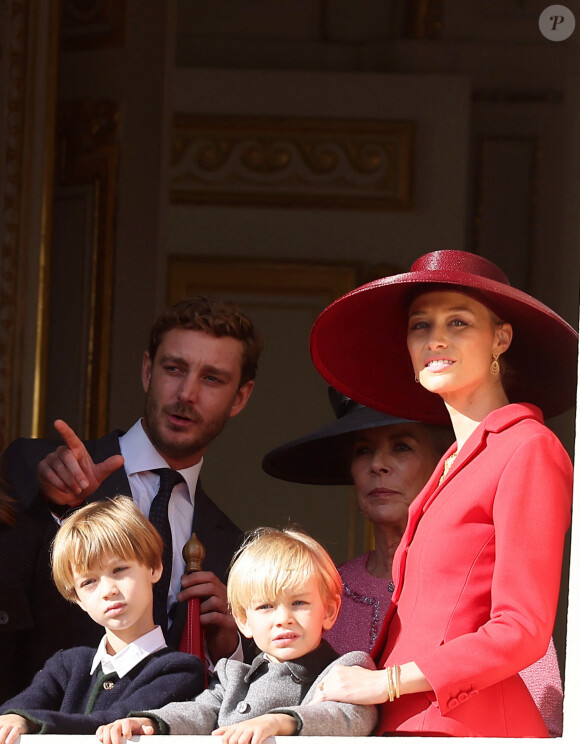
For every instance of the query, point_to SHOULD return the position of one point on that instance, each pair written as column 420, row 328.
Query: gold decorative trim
column 188, row 275
column 28, row 51
column 292, row 162
column 48, row 170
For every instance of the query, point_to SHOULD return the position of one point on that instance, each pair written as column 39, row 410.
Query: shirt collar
column 140, row 455
column 306, row 668
column 128, row 658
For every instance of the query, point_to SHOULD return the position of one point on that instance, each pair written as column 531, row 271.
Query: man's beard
column 186, row 446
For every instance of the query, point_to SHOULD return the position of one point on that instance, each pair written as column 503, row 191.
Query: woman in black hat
column 478, row 569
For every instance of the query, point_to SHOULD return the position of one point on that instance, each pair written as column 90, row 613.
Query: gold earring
column 494, row 369
column 416, row 380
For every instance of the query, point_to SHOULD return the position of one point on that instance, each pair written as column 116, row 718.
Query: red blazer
column 477, row 577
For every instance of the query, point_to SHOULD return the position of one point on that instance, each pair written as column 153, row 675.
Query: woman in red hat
column 477, row 572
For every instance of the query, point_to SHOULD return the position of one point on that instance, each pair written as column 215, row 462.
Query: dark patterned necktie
column 159, row 518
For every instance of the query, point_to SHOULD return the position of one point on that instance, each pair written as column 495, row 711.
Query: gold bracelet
column 397, row 676
column 390, row 684
column 393, row 682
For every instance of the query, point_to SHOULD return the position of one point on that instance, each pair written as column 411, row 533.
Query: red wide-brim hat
column 359, row 343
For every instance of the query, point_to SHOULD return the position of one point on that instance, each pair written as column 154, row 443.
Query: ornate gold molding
column 188, row 275
column 292, row 162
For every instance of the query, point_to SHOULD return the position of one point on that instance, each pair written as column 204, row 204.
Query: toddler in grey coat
column 284, row 592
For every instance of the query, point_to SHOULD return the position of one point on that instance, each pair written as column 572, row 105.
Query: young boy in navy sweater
column 106, row 557
column 283, row 591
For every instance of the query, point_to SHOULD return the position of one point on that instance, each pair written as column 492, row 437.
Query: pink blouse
column 365, row 601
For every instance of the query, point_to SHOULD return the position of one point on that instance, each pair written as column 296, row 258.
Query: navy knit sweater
column 64, row 698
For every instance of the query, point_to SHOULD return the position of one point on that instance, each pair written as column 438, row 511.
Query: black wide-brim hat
column 359, row 343
column 319, row 458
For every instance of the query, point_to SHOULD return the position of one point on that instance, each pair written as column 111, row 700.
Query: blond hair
column 271, row 562
column 101, row 530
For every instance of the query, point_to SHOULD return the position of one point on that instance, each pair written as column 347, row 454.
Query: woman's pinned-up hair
column 273, row 561
column 114, row 528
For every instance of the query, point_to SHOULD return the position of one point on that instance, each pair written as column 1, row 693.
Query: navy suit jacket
column 35, row 621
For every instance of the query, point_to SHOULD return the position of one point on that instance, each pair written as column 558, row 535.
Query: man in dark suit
column 197, row 372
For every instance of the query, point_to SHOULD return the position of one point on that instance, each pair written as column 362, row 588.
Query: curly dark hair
column 216, row 317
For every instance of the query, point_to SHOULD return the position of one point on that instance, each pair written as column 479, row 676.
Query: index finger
column 71, row 439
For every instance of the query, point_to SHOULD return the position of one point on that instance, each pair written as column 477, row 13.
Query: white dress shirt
column 123, row 661
column 141, row 458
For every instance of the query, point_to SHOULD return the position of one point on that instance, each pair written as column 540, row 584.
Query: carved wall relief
column 292, row 162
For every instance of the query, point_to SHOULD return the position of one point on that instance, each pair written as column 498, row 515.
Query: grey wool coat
column 240, row 691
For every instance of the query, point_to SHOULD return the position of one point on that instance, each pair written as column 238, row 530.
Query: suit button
column 462, row 697
column 4, row 617
column 243, row 706
column 453, row 703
